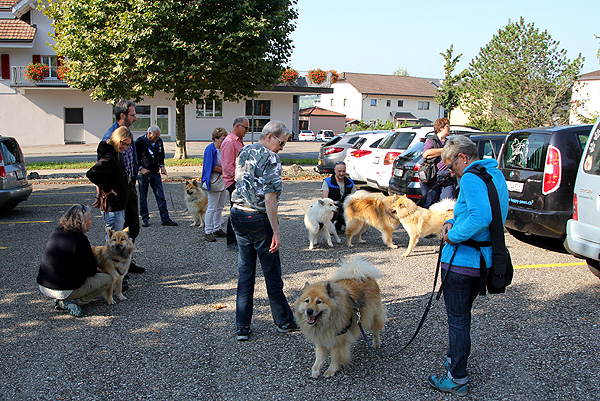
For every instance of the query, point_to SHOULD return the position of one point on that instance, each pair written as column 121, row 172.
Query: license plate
column 19, row 174
column 398, row 172
column 515, row 186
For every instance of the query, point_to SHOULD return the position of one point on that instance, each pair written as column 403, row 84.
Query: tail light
column 2, row 169
column 574, row 206
column 329, row 151
column 360, row 153
column 415, row 176
column 390, row 157
column 552, row 171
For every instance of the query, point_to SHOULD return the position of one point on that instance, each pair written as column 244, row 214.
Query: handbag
column 428, row 171
column 217, row 183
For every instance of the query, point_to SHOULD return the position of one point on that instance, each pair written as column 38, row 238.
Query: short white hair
column 153, row 128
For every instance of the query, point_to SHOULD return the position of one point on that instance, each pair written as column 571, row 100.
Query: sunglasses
column 281, row 143
column 245, row 127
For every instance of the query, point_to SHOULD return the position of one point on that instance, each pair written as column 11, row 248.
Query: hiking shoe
column 447, row 363
column 72, row 307
column 145, row 223
column 169, row 223
column 232, row 247
column 288, row 327
column 220, row 233
column 134, row 268
column 210, row 238
column 242, row 333
column 57, row 305
column 447, row 385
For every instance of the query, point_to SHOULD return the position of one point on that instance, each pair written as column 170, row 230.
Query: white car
column 583, row 230
column 378, row 174
column 325, row 135
column 306, row 135
column 359, row 157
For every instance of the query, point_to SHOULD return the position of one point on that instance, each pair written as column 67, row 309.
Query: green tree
column 186, row 49
column 448, row 95
column 521, row 76
column 400, row 71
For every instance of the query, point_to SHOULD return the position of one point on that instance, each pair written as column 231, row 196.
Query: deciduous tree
column 186, row 49
column 521, row 76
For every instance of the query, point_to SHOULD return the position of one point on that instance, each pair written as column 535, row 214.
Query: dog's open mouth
column 313, row 318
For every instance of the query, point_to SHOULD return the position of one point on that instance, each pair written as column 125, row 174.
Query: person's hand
column 105, row 194
column 144, row 171
column 444, row 233
column 163, row 170
column 275, row 243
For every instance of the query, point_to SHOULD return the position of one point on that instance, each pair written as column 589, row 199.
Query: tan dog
column 363, row 209
column 196, row 202
column 420, row 222
column 114, row 259
column 325, row 312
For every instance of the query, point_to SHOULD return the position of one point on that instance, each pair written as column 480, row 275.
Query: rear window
column 398, row 140
column 359, row 143
column 413, row 152
column 592, row 154
column 11, row 153
column 527, row 151
column 333, row 141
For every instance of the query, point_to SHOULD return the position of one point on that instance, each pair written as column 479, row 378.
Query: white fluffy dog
column 318, row 221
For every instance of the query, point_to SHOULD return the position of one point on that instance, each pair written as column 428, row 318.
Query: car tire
column 594, row 266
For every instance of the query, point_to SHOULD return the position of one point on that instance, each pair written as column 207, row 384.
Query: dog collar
column 345, row 329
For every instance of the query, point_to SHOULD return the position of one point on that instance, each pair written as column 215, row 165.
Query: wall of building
column 318, row 123
column 410, row 105
column 587, row 95
column 352, row 107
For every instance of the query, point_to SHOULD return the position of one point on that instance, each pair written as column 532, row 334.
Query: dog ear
column 329, row 291
column 321, row 202
column 194, row 182
column 305, row 285
column 126, row 230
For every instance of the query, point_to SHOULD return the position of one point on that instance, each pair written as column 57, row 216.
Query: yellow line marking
column 549, row 265
column 3, row 247
column 25, row 222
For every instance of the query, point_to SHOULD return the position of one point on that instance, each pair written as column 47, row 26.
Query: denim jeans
column 154, row 181
column 253, row 232
column 459, row 293
column 231, row 237
column 114, row 220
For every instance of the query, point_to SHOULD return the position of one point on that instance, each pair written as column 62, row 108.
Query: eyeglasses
column 245, row 127
column 338, row 163
column 451, row 165
column 281, row 143
column 126, row 144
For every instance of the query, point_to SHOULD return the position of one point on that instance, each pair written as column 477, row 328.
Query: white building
column 372, row 97
column 50, row 112
column 585, row 97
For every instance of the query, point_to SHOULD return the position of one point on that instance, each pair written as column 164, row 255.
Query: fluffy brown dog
column 363, row 209
column 420, row 222
column 196, row 202
column 325, row 312
column 114, row 259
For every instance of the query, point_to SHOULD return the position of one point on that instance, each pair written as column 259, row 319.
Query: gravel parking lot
column 173, row 338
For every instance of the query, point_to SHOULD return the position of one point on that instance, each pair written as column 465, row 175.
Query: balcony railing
column 305, row 82
column 18, row 78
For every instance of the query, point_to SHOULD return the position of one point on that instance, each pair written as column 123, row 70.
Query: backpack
column 428, row 169
column 501, row 272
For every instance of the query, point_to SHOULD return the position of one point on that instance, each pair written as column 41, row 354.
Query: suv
column 325, row 135
column 583, row 230
column 360, row 154
column 540, row 166
column 405, row 175
column 335, row 150
column 14, row 187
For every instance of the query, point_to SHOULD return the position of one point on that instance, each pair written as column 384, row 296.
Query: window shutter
column 37, row 58
column 59, row 60
column 5, row 62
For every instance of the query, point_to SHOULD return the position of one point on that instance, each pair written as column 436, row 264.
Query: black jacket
column 150, row 156
column 67, row 261
column 109, row 174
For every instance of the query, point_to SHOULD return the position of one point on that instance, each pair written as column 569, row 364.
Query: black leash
column 427, row 308
column 419, row 202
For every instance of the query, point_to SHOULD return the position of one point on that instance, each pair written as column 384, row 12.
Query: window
column 52, row 62
column 209, row 108
column 332, row 101
column 388, row 103
column 143, row 120
column 400, row 103
column 258, row 113
column 423, row 105
column 374, row 102
column 73, row 116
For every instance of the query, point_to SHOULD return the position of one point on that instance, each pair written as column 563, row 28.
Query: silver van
column 14, row 187
column 583, row 230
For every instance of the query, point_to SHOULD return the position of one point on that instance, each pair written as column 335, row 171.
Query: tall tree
column 186, row 49
column 401, row 72
column 522, row 77
column 448, row 95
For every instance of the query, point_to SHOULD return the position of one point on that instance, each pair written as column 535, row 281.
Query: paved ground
column 173, row 339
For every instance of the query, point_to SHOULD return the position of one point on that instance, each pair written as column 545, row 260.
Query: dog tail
column 356, row 268
column 443, row 206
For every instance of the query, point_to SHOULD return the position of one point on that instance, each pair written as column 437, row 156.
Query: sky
column 380, row 36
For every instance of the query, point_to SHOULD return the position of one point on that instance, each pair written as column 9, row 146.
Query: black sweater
column 109, row 174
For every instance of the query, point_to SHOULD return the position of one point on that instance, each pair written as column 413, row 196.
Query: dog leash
column 427, row 308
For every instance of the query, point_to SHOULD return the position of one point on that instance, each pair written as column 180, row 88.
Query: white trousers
column 214, row 211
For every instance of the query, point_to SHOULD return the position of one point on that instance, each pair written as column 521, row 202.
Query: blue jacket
column 473, row 216
column 208, row 163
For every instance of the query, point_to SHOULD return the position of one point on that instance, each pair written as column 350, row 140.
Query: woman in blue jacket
column 472, row 219
column 212, row 172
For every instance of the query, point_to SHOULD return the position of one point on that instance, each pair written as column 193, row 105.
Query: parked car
column 14, row 187
column 334, row 150
column 325, row 135
column 583, row 229
column 405, row 174
column 379, row 173
column 359, row 156
column 306, row 135
column 540, row 166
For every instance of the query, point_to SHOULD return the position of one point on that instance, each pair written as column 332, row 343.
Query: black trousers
column 231, row 240
column 132, row 213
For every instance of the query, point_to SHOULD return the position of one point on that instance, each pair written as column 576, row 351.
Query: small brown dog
column 363, row 209
column 196, row 202
column 420, row 222
column 327, row 316
column 114, row 259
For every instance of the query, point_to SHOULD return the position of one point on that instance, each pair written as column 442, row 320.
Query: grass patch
column 300, row 162
column 59, row 165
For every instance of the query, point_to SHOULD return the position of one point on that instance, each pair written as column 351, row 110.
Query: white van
column 583, row 230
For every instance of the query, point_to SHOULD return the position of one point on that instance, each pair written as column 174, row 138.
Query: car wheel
column 594, row 266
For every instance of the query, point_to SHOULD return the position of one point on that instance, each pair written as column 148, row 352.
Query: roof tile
column 16, row 30
column 375, row 84
column 318, row 111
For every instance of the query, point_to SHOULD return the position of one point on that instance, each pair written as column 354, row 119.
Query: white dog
column 318, row 220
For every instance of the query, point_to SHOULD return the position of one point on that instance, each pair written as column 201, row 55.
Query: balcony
column 18, row 78
column 304, row 82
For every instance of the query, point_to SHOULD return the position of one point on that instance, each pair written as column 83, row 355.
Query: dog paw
column 110, row 301
column 192, row 225
column 405, row 254
column 330, row 244
column 329, row 373
column 121, row 297
column 310, row 247
column 315, row 374
column 393, row 246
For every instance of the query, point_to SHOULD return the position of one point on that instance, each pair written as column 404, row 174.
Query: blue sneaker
column 242, row 333
column 447, row 385
column 447, row 363
column 72, row 307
